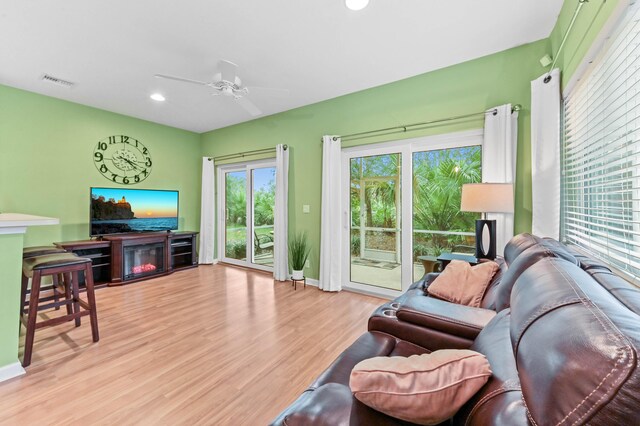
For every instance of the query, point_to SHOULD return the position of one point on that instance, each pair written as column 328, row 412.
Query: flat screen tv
column 122, row 210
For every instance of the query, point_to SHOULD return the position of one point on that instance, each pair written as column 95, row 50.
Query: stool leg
column 66, row 282
column 31, row 320
column 75, row 279
column 56, row 296
column 91, row 299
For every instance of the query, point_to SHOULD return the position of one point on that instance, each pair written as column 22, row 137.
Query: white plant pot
column 297, row 275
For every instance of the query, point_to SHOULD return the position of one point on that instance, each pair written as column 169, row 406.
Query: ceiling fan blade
column 228, row 71
column 184, row 80
column 269, row 91
column 249, row 106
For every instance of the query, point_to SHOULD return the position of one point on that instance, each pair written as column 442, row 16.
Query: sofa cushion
column 462, row 283
column 499, row 402
column 517, row 245
column 424, row 389
column 502, row 296
column 447, row 317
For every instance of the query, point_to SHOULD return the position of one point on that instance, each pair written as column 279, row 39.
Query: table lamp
column 486, row 198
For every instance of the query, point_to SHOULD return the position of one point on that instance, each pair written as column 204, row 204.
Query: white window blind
column 601, row 153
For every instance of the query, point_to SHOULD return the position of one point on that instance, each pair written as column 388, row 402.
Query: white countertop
column 19, row 220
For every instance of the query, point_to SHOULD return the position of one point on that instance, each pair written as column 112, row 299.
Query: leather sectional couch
column 559, row 329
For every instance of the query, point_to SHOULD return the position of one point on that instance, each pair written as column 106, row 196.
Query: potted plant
column 298, row 253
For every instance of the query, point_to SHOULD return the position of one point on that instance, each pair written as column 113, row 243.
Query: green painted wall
column 464, row 88
column 46, row 166
column 10, row 261
column 590, row 21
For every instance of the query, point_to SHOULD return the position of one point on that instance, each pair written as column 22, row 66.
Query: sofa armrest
column 329, row 405
column 447, row 317
column 425, row 281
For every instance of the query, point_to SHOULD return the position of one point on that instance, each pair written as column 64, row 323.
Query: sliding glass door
column 263, row 191
column 402, row 208
column 375, row 209
column 438, row 224
column 235, row 215
column 246, row 203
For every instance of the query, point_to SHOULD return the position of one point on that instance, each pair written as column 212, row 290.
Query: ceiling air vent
column 58, row 81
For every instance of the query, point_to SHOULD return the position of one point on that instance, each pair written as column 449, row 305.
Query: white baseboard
column 311, row 281
column 10, row 371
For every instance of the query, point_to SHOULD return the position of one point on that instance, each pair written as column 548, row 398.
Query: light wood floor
column 215, row 345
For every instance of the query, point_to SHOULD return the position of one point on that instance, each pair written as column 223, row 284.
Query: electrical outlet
column 306, row 208
column 307, row 264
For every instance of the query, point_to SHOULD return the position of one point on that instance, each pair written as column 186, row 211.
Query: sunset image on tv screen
column 116, row 210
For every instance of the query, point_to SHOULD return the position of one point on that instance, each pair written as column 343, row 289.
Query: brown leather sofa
column 438, row 324
column 563, row 347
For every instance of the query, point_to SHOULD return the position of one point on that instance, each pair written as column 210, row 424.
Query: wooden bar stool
column 29, row 252
column 69, row 265
column 40, row 251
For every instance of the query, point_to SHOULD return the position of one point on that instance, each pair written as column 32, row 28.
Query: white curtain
column 207, row 212
column 545, row 155
column 281, row 216
column 499, row 162
column 330, row 224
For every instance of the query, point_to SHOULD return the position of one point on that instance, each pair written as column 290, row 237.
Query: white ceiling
column 317, row 49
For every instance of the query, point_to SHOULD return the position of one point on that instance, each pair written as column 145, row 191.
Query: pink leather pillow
column 462, row 283
column 424, row 389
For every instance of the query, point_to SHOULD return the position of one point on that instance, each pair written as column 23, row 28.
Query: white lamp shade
column 487, row 197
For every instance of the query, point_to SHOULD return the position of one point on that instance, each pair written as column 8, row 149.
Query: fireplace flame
column 140, row 269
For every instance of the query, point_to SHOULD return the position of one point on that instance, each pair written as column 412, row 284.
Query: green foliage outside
column 438, row 177
column 437, row 189
column 236, row 205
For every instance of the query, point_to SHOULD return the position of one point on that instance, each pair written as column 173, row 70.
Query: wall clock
column 122, row 159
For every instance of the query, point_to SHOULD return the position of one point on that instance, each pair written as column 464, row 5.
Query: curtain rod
column 564, row 38
column 246, row 153
column 405, row 127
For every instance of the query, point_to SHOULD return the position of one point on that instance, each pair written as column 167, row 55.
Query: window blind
column 601, row 153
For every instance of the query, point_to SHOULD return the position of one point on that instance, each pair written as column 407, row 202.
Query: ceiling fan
column 227, row 83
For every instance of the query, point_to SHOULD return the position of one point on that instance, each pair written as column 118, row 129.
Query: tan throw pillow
column 462, row 283
column 424, row 389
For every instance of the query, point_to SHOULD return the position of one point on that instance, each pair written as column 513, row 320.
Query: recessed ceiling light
column 157, row 97
column 356, row 4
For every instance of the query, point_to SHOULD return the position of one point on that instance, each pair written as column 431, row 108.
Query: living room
column 230, row 339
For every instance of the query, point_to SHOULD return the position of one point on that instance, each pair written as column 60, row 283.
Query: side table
column 429, row 263
column 294, row 282
column 445, row 258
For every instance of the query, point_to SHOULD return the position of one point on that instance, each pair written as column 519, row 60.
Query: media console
column 121, row 259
